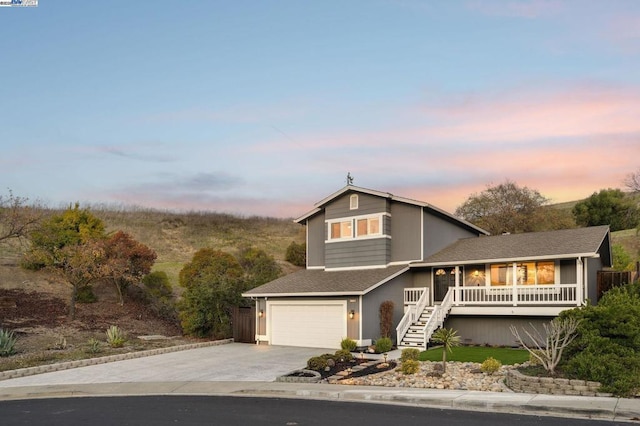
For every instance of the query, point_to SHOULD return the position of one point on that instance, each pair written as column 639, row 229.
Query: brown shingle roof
column 319, row 282
column 550, row 244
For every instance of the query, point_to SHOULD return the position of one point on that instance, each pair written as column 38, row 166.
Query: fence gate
column 609, row 279
column 244, row 324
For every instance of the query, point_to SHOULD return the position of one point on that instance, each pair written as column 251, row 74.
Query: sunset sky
column 263, row 107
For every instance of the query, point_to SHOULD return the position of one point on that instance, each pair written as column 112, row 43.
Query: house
column 365, row 247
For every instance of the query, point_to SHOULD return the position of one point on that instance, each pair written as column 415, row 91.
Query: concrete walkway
column 249, row 370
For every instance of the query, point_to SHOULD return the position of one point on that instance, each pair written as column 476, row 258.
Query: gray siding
column 568, row 272
column 315, row 240
column 392, row 290
column 439, row 233
column 593, row 265
column 369, row 252
column 494, row 331
column 367, row 204
column 405, row 230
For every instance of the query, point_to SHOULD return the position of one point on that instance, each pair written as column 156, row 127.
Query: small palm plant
column 449, row 339
column 115, row 337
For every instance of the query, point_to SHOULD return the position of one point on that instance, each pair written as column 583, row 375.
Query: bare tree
column 548, row 348
column 632, row 181
column 17, row 218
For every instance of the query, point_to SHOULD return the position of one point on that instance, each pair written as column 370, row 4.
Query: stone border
column 30, row 371
column 287, row 378
column 522, row 383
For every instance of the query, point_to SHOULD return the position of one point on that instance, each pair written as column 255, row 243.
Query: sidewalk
column 205, row 371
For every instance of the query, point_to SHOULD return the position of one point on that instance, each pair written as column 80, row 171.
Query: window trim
column 353, row 202
column 354, row 227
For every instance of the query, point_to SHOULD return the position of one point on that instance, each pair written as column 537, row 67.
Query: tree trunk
column 72, row 304
column 444, row 360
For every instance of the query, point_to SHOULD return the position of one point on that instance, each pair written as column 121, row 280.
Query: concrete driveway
column 234, row 362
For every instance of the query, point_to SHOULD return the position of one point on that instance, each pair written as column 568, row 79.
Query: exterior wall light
column 261, row 313
column 352, row 313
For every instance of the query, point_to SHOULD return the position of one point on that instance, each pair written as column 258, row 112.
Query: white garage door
column 305, row 324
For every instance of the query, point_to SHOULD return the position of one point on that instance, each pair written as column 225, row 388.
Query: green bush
column 8, row 341
column 343, row 355
column 348, row 344
column 409, row 354
column 318, row 363
column 157, row 284
column 383, row 344
column 410, row 366
column 115, row 337
column 607, row 349
column 490, row 365
column 85, row 295
column 296, row 254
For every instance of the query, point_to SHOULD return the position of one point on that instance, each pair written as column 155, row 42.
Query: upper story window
column 355, row 227
column 353, row 202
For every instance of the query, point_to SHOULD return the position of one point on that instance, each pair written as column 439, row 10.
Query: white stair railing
column 438, row 316
column 412, row 314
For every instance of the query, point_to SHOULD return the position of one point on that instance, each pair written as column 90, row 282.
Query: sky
column 262, row 107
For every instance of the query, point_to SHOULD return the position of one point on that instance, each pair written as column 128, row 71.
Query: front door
column 444, row 278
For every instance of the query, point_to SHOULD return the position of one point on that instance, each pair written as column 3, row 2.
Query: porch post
column 457, row 287
column 579, row 282
column 514, row 282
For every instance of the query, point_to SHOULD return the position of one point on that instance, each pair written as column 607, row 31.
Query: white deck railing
column 438, row 316
column 557, row 294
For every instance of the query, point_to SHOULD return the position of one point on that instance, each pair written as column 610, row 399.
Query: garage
column 313, row 324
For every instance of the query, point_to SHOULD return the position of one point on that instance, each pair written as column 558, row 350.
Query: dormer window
column 353, row 202
column 356, row 227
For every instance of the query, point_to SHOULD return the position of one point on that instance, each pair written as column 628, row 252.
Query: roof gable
column 566, row 243
column 320, row 205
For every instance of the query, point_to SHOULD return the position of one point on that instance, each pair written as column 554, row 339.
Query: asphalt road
column 189, row 410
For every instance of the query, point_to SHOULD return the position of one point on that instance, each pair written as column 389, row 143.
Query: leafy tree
column 214, row 281
column 296, row 254
column 70, row 244
column 607, row 207
column 504, row 208
column 74, row 226
column 259, row 267
column 622, row 260
column 127, row 260
column 449, row 339
column 17, row 219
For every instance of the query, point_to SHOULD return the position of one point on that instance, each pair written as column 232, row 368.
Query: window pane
column 345, row 229
column 335, row 230
column 498, row 274
column 362, row 227
column 526, row 273
column 546, row 273
column 374, row 226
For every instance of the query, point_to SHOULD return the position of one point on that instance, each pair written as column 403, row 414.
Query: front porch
column 424, row 313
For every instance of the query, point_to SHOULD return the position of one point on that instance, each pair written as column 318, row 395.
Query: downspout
column 360, row 338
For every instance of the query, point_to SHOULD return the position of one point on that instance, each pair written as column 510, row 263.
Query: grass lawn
column 507, row 356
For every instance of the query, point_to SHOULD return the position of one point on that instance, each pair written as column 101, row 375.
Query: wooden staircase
column 415, row 335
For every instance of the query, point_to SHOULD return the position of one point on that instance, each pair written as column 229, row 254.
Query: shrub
column 490, row 365
column 343, row 355
column 318, row 363
column 383, row 344
column 115, row 337
column 409, row 354
column 410, row 366
column 386, row 318
column 85, row 295
column 348, row 344
column 8, row 341
column 296, row 254
column 157, row 284
column 93, row 346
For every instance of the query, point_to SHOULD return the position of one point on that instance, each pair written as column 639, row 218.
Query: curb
column 30, row 371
